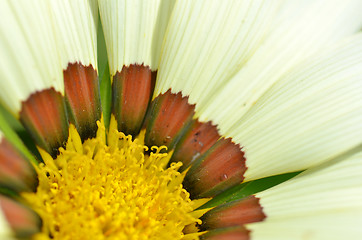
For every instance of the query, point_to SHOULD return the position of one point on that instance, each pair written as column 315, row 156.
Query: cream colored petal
column 207, row 42
column 296, row 36
column 310, row 116
column 331, row 226
column 322, row 203
column 331, row 187
column 29, row 60
column 75, row 26
column 134, row 31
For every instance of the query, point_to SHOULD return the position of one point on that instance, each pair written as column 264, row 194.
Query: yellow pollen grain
column 97, row 191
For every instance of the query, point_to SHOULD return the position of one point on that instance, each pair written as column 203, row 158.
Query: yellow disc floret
column 110, row 189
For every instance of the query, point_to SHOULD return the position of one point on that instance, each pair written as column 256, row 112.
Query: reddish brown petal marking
column 20, row 218
column 153, row 82
column 221, row 167
column 218, row 163
column 43, row 114
column 16, row 172
column 169, row 117
column 132, row 89
column 199, row 138
column 232, row 233
column 82, row 97
column 237, row 213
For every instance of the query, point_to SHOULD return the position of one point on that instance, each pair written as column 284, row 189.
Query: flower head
column 181, row 128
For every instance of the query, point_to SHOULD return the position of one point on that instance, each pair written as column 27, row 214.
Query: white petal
column 321, row 203
column 207, row 42
column 29, row 60
column 328, row 188
column 75, row 24
column 134, row 31
column 298, row 35
column 5, row 231
column 331, row 226
column 308, row 117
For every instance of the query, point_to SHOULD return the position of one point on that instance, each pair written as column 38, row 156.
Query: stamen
column 95, row 191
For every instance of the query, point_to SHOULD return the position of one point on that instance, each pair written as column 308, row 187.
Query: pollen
column 109, row 188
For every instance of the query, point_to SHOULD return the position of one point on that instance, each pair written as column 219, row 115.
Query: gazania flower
column 200, row 104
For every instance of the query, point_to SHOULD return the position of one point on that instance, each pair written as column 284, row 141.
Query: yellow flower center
column 107, row 188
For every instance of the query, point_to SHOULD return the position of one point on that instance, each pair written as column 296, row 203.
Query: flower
column 199, row 97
